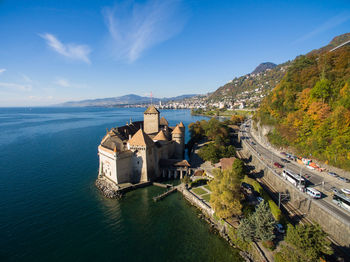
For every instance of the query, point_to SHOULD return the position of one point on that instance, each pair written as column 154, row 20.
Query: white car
column 346, row 191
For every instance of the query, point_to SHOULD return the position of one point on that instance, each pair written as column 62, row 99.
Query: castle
column 139, row 151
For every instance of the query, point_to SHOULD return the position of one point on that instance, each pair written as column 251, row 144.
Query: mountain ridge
column 263, row 67
column 129, row 99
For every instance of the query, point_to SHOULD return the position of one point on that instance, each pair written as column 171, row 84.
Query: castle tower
column 151, row 120
column 178, row 137
column 143, row 160
column 182, row 128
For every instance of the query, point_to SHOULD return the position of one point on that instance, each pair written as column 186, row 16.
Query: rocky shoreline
column 215, row 228
column 107, row 189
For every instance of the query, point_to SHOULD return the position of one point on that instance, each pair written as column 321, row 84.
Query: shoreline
column 207, row 213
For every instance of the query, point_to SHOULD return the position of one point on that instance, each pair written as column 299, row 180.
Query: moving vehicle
column 342, row 200
column 343, row 179
column 334, row 190
column 332, row 174
column 313, row 192
column 345, row 191
column 296, row 179
column 276, row 164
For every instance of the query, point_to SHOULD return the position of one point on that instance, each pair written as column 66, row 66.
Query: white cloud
column 329, row 24
column 135, row 27
column 72, row 51
column 27, row 78
column 62, row 82
column 15, row 86
column 2, row 70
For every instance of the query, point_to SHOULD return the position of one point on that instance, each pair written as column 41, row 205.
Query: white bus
column 313, row 192
column 296, row 179
column 342, row 200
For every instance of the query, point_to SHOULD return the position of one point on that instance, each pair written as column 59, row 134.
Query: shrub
column 269, row 244
column 199, row 182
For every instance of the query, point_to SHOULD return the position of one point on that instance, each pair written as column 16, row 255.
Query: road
column 314, row 178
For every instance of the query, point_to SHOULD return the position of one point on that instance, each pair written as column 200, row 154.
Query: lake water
column 50, row 209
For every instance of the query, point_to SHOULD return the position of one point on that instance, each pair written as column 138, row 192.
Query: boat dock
column 166, row 193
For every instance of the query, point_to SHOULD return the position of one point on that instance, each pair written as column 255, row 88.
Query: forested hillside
column 310, row 107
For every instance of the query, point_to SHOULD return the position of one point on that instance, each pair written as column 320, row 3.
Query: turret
column 178, row 137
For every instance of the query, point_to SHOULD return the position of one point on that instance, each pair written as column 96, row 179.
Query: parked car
column 259, row 199
column 334, row 190
column 332, row 174
column 280, row 228
column 283, row 153
column 343, row 179
column 284, row 160
column 276, row 164
column 253, row 143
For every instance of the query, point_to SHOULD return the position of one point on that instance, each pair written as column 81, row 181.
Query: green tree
column 258, row 226
column 238, row 168
column 210, row 152
column 304, row 243
column 246, row 229
column 264, row 222
column 322, row 90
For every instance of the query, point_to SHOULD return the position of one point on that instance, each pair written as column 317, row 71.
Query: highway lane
column 316, row 180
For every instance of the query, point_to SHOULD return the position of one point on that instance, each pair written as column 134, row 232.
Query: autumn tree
column 226, row 194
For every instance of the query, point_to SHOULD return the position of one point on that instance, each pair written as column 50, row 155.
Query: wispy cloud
column 15, row 86
column 63, row 82
column 2, row 70
column 135, row 27
column 27, row 78
column 72, row 51
column 329, row 24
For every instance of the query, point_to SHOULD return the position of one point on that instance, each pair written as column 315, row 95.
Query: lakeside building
column 136, row 152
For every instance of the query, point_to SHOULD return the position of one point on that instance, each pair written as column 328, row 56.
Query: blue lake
column 50, row 209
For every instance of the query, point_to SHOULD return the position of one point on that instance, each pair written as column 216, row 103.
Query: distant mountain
column 263, row 67
column 130, row 99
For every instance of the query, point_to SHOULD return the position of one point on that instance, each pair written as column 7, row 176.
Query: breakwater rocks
column 108, row 189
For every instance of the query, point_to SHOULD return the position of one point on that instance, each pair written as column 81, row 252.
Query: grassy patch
column 206, row 197
column 207, row 187
column 276, row 212
column 199, row 191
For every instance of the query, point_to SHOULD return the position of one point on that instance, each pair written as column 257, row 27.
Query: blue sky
column 56, row 51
